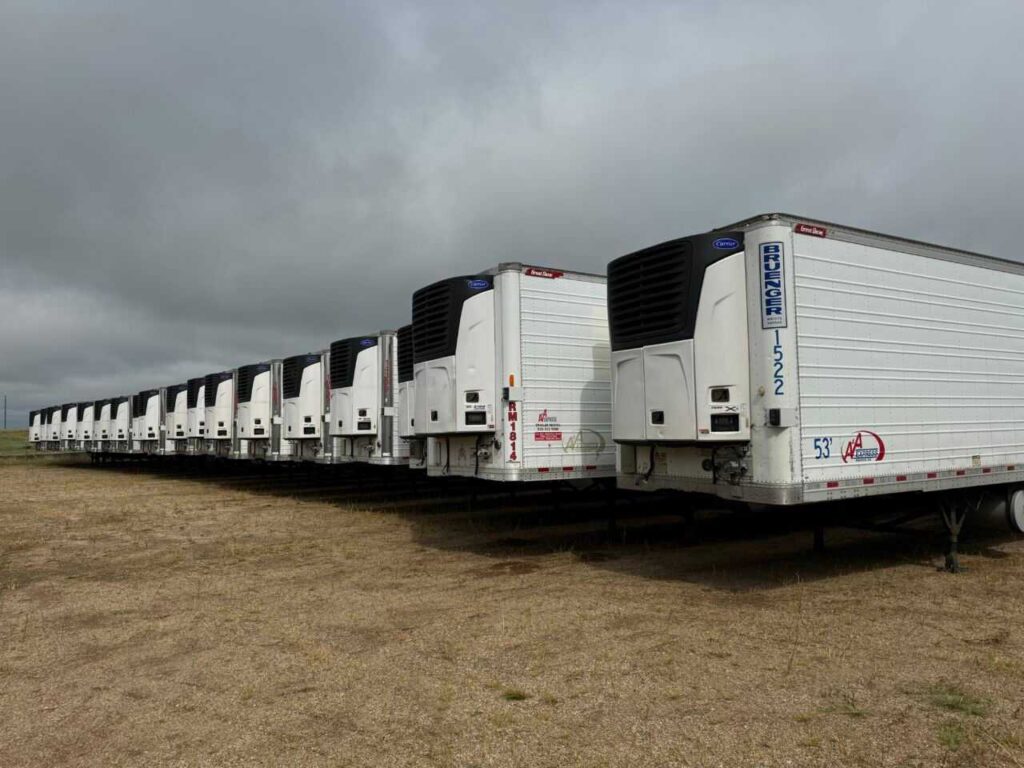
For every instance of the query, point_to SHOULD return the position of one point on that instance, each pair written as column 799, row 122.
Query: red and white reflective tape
column 920, row 477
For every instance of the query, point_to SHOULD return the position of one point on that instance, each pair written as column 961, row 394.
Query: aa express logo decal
column 547, row 429
column 864, row 446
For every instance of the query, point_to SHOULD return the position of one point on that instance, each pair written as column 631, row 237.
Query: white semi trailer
column 53, row 428
column 35, row 428
column 101, row 425
column 258, row 394
column 68, row 426
column 219, row 394
column 364, row 423
column 416, row 446
column 305, row 393
column 783, row 360
column 196, row 416
column 148, row 423
column 136, row 429
column 120, row 425
column 175, row 442
column 511, row 368
column 86, row 422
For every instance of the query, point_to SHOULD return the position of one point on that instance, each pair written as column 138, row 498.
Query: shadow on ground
column 654, row 536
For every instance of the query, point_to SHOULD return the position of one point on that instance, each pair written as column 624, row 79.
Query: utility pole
column 5, row 411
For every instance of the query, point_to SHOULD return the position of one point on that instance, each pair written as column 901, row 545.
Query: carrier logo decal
column 513, row 436
column 864, row 446
column 810, row 229
column 367, row 342
column 547, row 430
column 773, row 286
column 551, row 274
column 477, row 285
column 585, row 441
column 726, row 243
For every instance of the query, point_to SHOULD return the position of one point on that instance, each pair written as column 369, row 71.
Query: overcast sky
column 192, row 186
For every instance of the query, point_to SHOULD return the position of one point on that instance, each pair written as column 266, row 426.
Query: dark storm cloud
column 191, row 186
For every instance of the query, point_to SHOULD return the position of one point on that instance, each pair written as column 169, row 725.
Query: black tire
column 1015, row 510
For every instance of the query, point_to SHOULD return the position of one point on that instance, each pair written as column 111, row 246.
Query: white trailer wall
column 546, row 361
column 86, row 421
column 363, row 413
column 259, row 406
column 909, row 366
column 891, row 366
column 196, row 415
column 176, row 419
column 305, row 391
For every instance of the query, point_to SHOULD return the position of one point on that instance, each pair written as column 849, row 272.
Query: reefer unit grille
column 291, row 373
column 211, row 382
column 210, row 391
column 653, row 294
column 436, row 311
column 137, row 407
column 97, row 407
column 64, row 410
column 405, row 353
column 194, row 385
column 246, row 376
column 144, row 397
column 343, row 359
column 172, row 395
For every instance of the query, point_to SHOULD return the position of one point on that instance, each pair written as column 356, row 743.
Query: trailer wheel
column 1015, row 510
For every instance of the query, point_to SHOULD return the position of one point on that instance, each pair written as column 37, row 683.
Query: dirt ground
column 156, row 617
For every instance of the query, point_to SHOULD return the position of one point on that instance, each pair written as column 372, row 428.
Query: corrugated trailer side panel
column 565, row 415
column 909, row 369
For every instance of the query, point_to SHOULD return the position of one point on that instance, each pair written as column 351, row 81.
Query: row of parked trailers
column 777, row 361
column 432, row 395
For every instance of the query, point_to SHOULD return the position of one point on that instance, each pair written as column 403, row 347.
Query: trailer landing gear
column 955, row 509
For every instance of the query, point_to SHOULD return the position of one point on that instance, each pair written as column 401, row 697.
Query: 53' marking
column 822, row 447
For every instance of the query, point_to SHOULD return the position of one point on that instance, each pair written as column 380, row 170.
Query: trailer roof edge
column 867, row 236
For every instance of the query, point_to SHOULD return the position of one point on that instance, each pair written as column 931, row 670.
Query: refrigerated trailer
column 136, row 423
column 511, row 374
column 35, row 428
column 175, row 441
column 120, row 440
column 43, row 417
column 258, row 394
column 101, row 425
column 416, row 446
column 196, row 416
column 148, row 424
column 305, row 394
column 86, row 422
column 53, row 428
column 363, row 417
column 68, row 426
column 783, row 360
column 219, row 399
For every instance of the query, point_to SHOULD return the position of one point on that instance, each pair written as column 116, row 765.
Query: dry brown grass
column 149, row 619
